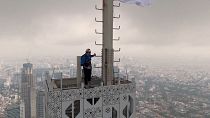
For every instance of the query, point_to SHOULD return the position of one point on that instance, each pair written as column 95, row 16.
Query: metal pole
column 61, row 91
column 79, row 78
column 107, row 49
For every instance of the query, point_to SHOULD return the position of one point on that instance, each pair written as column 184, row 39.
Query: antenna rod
column 107, row 49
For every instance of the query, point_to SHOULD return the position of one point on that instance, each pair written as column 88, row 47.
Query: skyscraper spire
column 109, row 101
column 107, row 49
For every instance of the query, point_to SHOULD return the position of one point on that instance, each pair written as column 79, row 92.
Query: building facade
column 113, row 101
column 40, row 104
column 13, row 111
column 28, row 90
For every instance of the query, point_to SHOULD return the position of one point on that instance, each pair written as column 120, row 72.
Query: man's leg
column 89, row 74
column 86, row 76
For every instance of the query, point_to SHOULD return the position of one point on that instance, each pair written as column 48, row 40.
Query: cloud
column 168, row 23
column 55, row 26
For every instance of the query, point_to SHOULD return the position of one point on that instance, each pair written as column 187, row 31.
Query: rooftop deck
column 71, row 83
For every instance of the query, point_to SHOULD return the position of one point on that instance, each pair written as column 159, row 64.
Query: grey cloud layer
column 169, row 22
column 65, row 24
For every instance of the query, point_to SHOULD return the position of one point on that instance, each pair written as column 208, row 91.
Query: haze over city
column 168, row 29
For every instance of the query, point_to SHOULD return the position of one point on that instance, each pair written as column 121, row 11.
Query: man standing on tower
column 87, row 67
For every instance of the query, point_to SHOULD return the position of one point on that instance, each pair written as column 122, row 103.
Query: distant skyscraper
column 28, row 91
column 13, row 111
column 22, row 110
column 40, row 104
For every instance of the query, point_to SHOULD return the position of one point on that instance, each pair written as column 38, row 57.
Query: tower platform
column 70, row 101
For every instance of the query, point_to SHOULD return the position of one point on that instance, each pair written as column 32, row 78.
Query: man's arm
column 93, row 55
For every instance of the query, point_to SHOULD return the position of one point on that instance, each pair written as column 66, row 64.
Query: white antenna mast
column 107, row 46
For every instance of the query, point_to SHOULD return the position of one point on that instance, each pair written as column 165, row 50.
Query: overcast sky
column 166, row 29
